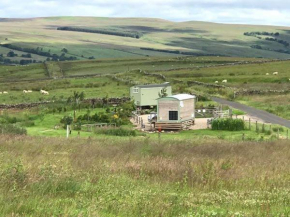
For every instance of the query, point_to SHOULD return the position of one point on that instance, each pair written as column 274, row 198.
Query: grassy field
column 161, row 35
column 113, row 77
column 139, row 177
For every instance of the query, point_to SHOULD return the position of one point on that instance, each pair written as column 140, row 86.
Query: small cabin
column 175, row 112
column 147, row 95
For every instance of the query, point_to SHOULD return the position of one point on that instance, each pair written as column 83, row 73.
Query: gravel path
column 263, row 115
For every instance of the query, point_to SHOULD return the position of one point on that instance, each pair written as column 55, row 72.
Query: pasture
column 159, row 38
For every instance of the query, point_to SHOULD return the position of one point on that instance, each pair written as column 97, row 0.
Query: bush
column 12, row 129
column 275, row 129
column 116, row 132
column 228, row 124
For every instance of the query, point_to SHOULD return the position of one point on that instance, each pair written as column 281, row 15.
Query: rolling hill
column 93, row 37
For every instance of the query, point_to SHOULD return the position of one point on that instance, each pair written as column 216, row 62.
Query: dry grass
column 138, row 176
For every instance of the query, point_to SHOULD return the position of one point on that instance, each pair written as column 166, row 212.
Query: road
column 263, row 115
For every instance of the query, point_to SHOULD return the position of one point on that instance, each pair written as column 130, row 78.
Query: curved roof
column 181, row 96
column 166, row 84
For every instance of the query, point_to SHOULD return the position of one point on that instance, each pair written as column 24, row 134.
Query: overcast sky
column 266, row 12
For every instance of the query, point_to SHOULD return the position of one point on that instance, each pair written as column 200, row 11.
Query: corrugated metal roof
column 154, row 85
column 182, row 96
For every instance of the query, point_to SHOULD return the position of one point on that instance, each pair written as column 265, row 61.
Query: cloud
column 268, row 12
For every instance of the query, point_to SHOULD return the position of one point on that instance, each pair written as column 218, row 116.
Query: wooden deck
column 174, row 126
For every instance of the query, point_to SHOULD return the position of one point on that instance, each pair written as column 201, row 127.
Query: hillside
column 92, row 37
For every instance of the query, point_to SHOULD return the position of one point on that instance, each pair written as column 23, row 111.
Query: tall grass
column 140, row 177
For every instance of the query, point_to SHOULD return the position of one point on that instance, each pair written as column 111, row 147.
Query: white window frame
column 135, row 90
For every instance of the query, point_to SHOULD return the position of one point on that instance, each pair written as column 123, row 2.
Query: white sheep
column 29, row 91
column 5, row 92
column 267, row 73
column 216, row 82
column 275, row 73
column 45, row 92
column 225, row 81
column 25, row 91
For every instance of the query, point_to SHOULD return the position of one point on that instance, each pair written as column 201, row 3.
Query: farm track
column 263, row 115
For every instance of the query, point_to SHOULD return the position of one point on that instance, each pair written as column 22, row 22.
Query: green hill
column 92, row 37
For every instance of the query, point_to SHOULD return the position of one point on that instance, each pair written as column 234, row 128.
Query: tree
column 11, row 54
column 163, row 92
column 64, row 50
column 75, row 100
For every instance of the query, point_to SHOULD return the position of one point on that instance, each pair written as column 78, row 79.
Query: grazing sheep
column 267, row 73
column 225, row 81
column 25, row 91
column 44, row 92
column 29, row 91
column 275, row 73
column 216, row 82
column 5, row 92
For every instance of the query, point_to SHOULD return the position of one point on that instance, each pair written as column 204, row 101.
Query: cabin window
column 173, row 115
column 135, row 90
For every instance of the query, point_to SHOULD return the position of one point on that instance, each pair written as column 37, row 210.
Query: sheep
column 267, row 73
column 45, row 92
column 225, row 81
column 29, row 91
column 5, row 92
column 275, row 73
column 25, row 91
column 216, row 82
column 0, row 92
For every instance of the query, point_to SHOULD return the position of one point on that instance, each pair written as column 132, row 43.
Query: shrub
column 116, row 132
column 228, row 124
column 275, row 129
column 12, row 129
column 66, row 120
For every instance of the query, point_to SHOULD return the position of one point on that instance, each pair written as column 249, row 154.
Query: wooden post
column 243, row 118
column 243, row 137
column 67, row 131
column 257, row 126
column 249, row 123
column 141, row 122
column 287, row 134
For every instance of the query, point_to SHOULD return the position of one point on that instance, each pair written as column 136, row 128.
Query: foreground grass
column 139, row 177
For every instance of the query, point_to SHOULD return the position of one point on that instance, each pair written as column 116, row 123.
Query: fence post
column 257, row 126
column 287, row 134
column 67, row 131
column 249, row 123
